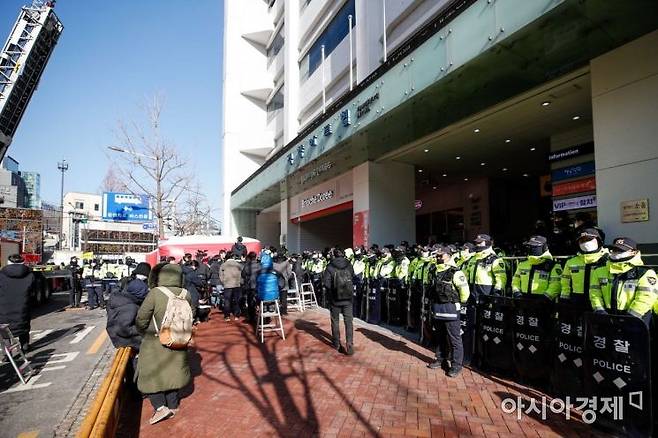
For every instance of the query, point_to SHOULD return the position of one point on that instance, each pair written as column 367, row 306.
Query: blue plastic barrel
column 268, row 286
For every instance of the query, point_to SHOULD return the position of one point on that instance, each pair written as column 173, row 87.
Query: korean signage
column 578, row 186
column 574, row 151
column 588, row 201
column 126, row 207
column 364, row 108
column 323, row 196
column 634, row 211
column 575, row 171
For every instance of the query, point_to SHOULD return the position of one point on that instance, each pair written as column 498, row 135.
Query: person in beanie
column 161, row 371
column 338, row 281
column 122, row 309
column 16, row 284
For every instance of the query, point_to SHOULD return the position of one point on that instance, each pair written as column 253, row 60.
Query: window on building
column 96, row 207
column 277, row 44
column 277, row 101
column 334, row 33
column 79, row 205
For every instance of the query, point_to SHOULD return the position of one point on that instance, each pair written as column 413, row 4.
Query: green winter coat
column 160, row 368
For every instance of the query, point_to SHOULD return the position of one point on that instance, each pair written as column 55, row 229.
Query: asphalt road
column 70, row 352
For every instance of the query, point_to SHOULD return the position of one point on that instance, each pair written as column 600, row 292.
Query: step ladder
column 11, row 349
column 309, row 299
column 272, row 326
column 295, row 301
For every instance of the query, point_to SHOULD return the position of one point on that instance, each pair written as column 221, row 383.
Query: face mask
column 426, row 254
column 621, row 256
column 535, row 251
column 481, row 247
column 141, row 277
column 589, row 246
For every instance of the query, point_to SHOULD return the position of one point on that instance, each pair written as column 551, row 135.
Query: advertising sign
column 575, row 171
column 323, row 196
column 571, row 187
column 635, row 211
column 573, row 151
column 588, row 201
column 126, row 207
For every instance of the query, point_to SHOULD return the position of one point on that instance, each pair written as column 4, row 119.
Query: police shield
column 618, row 374
column 357, row 298
column 567, row 371
column 373, row 304
column 468, row 318
column 532, row 337
column 494, row 341
column 414, row 303
column 393, row 302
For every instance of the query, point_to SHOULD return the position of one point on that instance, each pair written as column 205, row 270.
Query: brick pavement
column 301, row 387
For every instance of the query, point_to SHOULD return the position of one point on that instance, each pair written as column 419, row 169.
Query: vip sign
column 574, row 203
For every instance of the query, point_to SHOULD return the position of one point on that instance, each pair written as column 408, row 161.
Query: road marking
column 60, row 367
column 29, row 385
column 31, row 434
column 64, row 357
column 81, row 335
column 98, row 343
column 39, row 334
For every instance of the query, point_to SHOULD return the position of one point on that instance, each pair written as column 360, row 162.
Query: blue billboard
column 576, row 171
column 126, row 207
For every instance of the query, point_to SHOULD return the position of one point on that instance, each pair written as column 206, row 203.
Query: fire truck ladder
column 22, row 61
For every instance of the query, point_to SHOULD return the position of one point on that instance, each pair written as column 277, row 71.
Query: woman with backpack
column 337, row 282
column 163, row 371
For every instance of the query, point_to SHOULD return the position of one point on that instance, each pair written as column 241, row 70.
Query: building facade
column 456, row 117
column 85, row 230
column 33, row 189
column 13, row 190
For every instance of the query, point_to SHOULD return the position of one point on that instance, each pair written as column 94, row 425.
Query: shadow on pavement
column 313, row 329
column 393, row 344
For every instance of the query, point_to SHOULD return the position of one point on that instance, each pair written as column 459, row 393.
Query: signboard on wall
column 323, row 196
column 578, row 186
column 573, row 151
column 126, row 207
column 636, row 210
column 588, row 201
column 575, row 171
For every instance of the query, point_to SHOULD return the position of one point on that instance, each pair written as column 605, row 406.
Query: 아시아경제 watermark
column 589, row 407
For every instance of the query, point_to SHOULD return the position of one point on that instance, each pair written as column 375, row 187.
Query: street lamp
column 62, row 166
column 157, row 175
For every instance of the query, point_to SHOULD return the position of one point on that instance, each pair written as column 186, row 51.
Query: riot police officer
column 360, row 268
column 316, row 266
column 624, row 286
column 578, row 270
column 485, row 270
column 397, row 288
column 448, row 291
column 94, row 284
column 539, row 274
column 75, row 294
column 466, row 252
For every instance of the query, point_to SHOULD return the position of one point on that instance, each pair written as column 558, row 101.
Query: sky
column 113, row 55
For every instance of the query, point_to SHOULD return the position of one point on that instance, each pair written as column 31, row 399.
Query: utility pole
column 62, row 166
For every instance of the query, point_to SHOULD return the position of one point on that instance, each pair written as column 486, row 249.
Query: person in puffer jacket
column 16, row 284
column 123, row 306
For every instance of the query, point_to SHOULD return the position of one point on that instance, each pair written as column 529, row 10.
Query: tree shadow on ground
column 313, row 329
column 393, row 344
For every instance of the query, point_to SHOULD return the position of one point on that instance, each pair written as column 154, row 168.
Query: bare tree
column 112, row 182
column 150, row 164
column 193, row 214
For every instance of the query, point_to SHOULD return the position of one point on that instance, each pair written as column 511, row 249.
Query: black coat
column 214, row 273
column 240, row 249
column 16, row 283
column 250, row 273
column 121, row 312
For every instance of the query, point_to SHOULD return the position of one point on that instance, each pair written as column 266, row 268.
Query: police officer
column 624, row 286
column 316, row 266
column 485, row 270
column 539, row 275
column 75, row 294
column 579, row 270
column 466, row 252
column 448, row 291
column 360, row 268
column 418, row 272
column 396, row 296
column 92, row 273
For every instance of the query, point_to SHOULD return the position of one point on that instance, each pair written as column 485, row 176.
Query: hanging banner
column 588, row 201
column 571, row 187
column 575, row 171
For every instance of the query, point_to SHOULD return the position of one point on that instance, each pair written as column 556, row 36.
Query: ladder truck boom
column 22, row 61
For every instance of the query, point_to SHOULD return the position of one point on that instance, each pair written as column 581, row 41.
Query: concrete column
column 383, row 203
column 244, row 223
column 291, row 71
column 368, row 32
column 625, row 115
